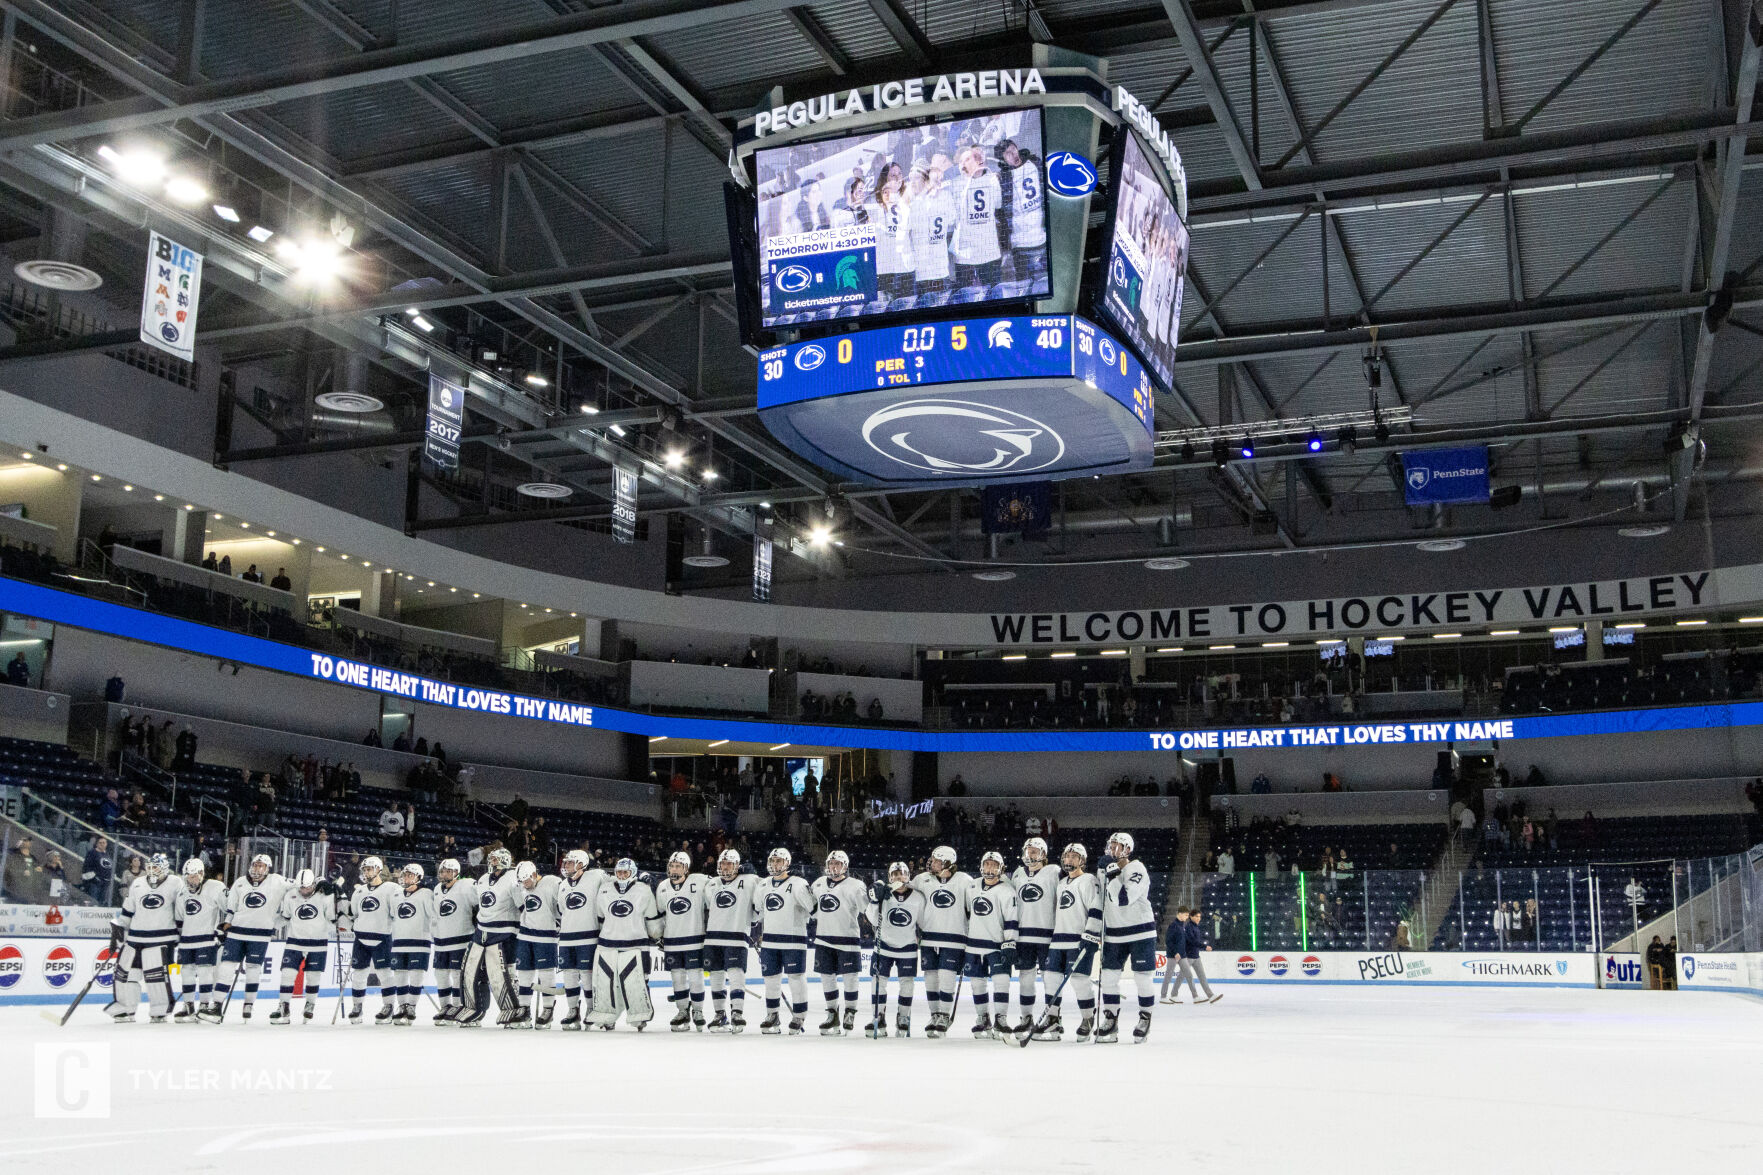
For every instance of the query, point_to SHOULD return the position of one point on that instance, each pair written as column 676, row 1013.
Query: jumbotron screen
column 951, row 213
column 1147, row 258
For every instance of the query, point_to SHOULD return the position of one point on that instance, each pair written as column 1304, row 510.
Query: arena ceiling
column 1545, row 217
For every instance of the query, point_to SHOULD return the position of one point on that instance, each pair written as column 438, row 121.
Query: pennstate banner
column 761, row 569
column 169, row 295
column 624, row 505
column 1025, row 509
column 446, row 418
column 1445, row 476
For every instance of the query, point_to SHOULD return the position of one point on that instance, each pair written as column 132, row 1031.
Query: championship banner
column 1025, row 509
column 624, row 505
column 169, row 295
column 761, row 569
column 1444, row 476
column 446, row 419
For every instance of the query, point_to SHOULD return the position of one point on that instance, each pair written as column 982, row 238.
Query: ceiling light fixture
column 182, row 189
column 259, row 234
column 227, row 213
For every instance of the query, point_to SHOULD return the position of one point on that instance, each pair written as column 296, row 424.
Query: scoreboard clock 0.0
column 1044, row 396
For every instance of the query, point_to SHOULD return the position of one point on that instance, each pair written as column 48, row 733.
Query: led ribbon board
column 1035, row 396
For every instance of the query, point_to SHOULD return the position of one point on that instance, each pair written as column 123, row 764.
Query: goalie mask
column 500, row 860
column 625, row 871
column 158, row 867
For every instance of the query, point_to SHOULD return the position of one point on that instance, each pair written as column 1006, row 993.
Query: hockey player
column 142, row 937
column 728, row 923
column 413, row 928
column 840, row 903
column 368, row 910
column 578, row 932
column 535, row 947
column 680, row 898
column 898, row 911
column 307, row 922
column 1131, row 938
column 629, row 923
column 247, row 929
column 991, row 944
column 1072, row 953
column 455, row 914
column 942, row 934
column 489, row 961
column 783, row 904
column 203, row 907
column 1035, row 881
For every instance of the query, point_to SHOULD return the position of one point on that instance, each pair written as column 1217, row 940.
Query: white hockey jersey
column 369, row 910
column 413, row 920
column 150, row 913
column 1077, row 910
column 893, row 238
column 991, row 917
column 931, row 222
column 307, row 923
column 498, row 904
column 1035, row 902
column 976, row 233
column 538, row 909
column 251, row 907
column 202, row 911
column 1028, row 227
column 897, row 924
column 455, row 914
column 1126, row 906
column 837, row 908
column 729, row 910
column 943, row 925
column 578, row 909
column 783, row 908
column 682, row 911
column 629, row 917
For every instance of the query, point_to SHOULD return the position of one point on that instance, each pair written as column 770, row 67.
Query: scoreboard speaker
column 924, row 775
column 636, row 757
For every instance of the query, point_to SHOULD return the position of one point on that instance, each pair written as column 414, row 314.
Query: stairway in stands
column 1440, row 889
column 1196, row 842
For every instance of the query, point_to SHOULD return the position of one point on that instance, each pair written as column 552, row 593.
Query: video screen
column 800, row 769
column 951, row 213
column 1147, row 258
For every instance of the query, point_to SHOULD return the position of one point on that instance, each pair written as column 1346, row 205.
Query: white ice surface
column 1273, row 1079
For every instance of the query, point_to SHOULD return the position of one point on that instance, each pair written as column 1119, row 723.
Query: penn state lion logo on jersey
column 774, row 902
column 255, row 900
column 982, row 906
column 1067, row 900
column 1029, row 893
column 306, row 911
column 829, row 903
column 532, row 902
column 406, row 909
column 446, row 909
column 725, row 899
column 620, row 909
column 487, row 899
column 943, row 899
column 152, row 902
column 900, row 916
column 575, row 901
column 680, row 906
column 369, row 904
column 192, row 907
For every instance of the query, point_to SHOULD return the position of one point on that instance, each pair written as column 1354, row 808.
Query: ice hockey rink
column 1272, row 1079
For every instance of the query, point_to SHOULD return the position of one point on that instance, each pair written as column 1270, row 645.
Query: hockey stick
column 109, row 966
column 341, row 976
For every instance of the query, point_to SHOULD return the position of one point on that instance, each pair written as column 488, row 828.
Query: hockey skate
column 937, row 1028
column 244, row 1012
column 697, row 1018
column 354, row 1016
column 1143, row 1030
column 521, row 1017
column 720, row 1023
column 572, row 1022
column 311, row 1010
column 446, row 1015
column 543, row 1019
column 406, row 1016
column 850, row 1024
column 771, row 1025
column 737, row 1023
column 1085, row 1028
column 877, row 1027
column 903, row 1024
column 796, row 1027
column 682, row 1019
column 186, row 1014
column 280, row 1015
column 830, row 1025
column 152, row 1019
column 982, row 1027
column 385, row 1015
column 1049, row 1028
column 1109, row 1030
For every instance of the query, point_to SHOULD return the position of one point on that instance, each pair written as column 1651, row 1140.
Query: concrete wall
column 499, row 785
column 34, row 714
column 48, row 496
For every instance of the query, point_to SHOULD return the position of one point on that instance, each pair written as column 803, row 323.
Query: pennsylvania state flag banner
column 1024, row 508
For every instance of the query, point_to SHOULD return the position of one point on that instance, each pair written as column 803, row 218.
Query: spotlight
column 181, row 189
column 424, row 325
column 536, row 380
column 618, row 430
column 1349, row 439
column 227, row 213
column 673, row 459
column 1247, row 448
column 820, row 536
column 259, row 234
column 139, row 167
column 590, row 410
column 1315, row 443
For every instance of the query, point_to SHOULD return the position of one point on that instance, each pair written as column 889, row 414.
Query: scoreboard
column 962, row 400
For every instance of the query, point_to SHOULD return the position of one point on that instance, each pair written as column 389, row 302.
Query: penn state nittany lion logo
column 1029, row 893
column 961, row 436
column 620, row 909
column 943, row 899
column 255, row 901
column 192, row 907
column 447, row 908
column 1417, row 478
column 829, row 903
column 900, row 916
column 532, row 902
column 1067, row 900
column 982, row 906
column 369, row 905
column 680, row 906
column 575, row 901
column 152, row 902
column 774, row 902
column 306, row 911
column 406, row 909
column 725, row 899
column 487, row 899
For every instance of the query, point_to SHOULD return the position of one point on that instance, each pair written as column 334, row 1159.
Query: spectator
column 373, row 737
column 95, row 873
column 437, row 754
column 402, row 742
column 1402, row 942
column 391, row 824
column 410, row 827
column 252, row 575
column 137, row 868
column 1671, row 963
column 18, row 670
column 23, row 881
column 1656, row 963
column 517, row 809
column 1227, row 862
column 162, row 749
column 110, row 811
column 421, row 747
column 55, row 878
column 449, row 847
column 1636, row 893
column 185, row 758
column 226, row 565
column 211, row 563
column 281, row 582
column 875, row 710
column 134, row 813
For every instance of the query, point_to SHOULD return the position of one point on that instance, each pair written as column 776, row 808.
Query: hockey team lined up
column 509, row 940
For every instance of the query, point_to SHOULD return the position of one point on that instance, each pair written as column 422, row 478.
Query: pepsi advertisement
column 1445, row 476
column 1147, row 260
column 885, row 222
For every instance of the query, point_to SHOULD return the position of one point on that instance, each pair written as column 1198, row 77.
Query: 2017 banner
column 169, row 296
column 446, row 419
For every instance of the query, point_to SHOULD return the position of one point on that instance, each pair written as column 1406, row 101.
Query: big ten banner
column 446, row 420
column 624, row 504
column 169, row 296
